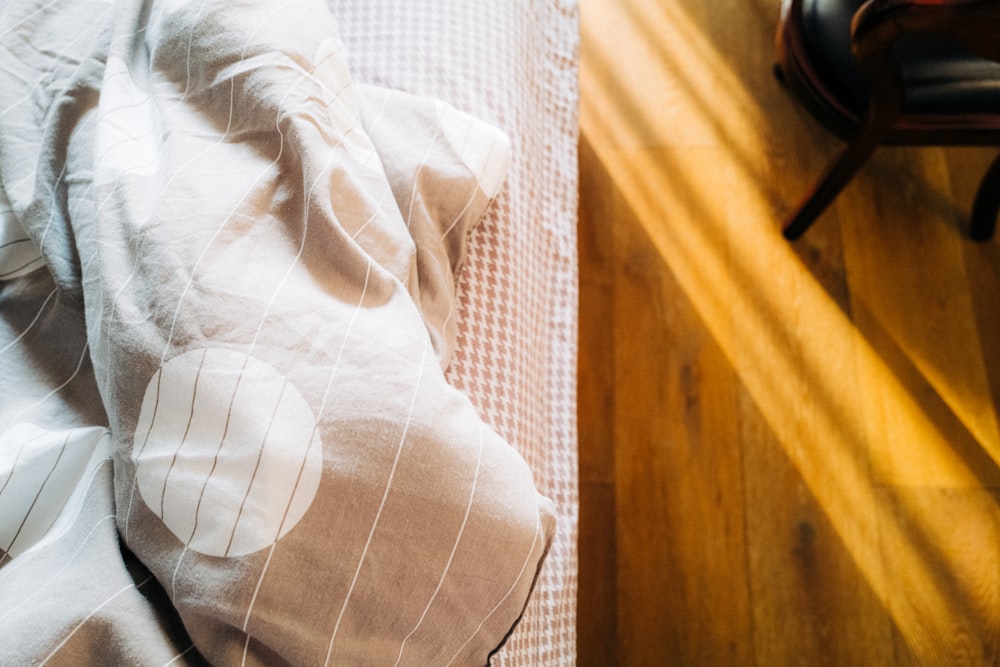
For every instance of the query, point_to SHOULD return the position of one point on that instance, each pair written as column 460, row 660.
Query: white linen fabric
column 250, row 283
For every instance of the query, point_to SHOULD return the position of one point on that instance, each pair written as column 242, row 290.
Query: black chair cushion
column 940, row 77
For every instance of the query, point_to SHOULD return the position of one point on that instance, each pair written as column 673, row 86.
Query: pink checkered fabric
column 513, row 63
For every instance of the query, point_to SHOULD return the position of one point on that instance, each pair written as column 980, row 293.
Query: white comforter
column 228, row 298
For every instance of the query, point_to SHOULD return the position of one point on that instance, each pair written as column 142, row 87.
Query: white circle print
column 227, row 451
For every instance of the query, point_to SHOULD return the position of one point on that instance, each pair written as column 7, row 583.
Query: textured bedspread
column 227, row 280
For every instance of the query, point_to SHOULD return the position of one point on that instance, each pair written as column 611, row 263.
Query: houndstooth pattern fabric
column 513, row 64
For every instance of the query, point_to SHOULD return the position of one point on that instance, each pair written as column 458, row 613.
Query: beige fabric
column 260, row 255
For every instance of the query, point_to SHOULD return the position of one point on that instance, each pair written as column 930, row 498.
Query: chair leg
column 987, row 204
column 841, row 170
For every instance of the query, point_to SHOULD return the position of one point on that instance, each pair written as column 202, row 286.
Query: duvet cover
column 228, row 285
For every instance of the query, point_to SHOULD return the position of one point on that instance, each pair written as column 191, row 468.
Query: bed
column 288, row 332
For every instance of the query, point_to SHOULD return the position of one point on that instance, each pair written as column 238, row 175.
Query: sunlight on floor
column 845, row 418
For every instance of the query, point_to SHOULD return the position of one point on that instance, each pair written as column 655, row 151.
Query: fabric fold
column 264, row 254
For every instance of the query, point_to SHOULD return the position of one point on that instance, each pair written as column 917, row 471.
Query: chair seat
column 944, row 95
column 940, row 78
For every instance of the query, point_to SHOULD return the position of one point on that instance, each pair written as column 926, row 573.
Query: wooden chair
column 895, row 72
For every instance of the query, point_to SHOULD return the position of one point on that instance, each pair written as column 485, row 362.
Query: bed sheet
column 510, row 348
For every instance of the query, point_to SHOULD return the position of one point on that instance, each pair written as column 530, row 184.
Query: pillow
column 445, row 167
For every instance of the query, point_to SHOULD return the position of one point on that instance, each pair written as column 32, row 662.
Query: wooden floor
column 789, row 452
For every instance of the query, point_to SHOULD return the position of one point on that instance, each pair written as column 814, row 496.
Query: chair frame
column 975, row 24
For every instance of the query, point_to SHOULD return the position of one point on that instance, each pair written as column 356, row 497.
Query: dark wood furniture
column 903, row 72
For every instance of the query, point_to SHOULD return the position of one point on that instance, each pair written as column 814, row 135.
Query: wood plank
column 965, row 168
column 810, row 598
column 596, row 364
column 683, row 597
column 945, row 588
column 596, row 618
column 915, row 310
